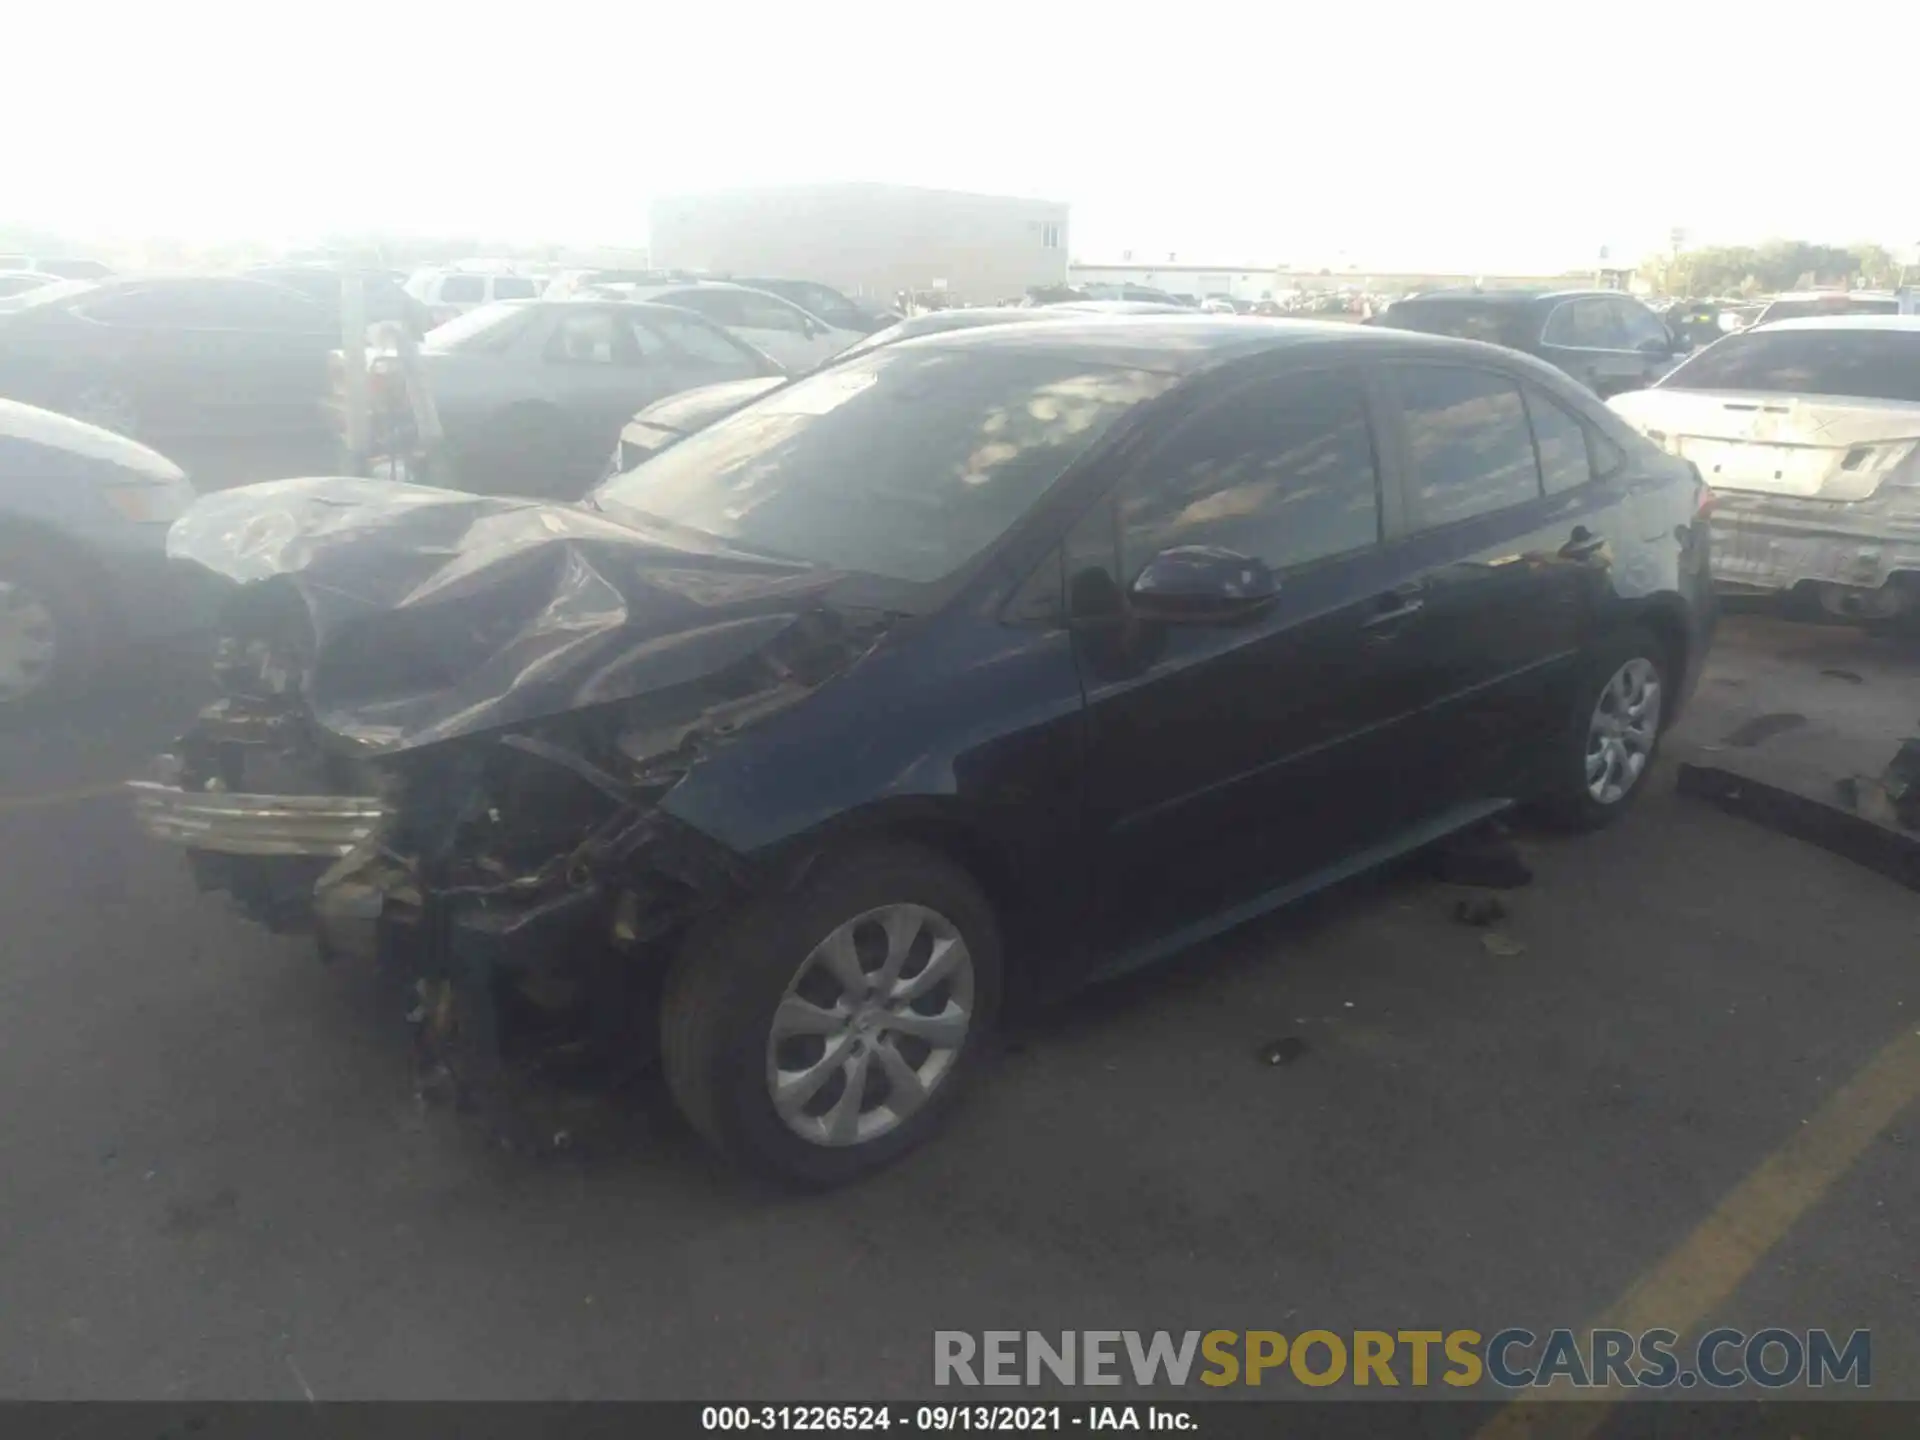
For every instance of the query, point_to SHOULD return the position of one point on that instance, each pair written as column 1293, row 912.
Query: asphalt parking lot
column 218, row 1183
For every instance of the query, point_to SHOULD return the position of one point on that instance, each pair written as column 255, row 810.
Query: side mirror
column 1202, row 584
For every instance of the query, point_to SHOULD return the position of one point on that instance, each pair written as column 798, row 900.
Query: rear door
column 1587, row 337
column 1228, row 761
column 1511, row 542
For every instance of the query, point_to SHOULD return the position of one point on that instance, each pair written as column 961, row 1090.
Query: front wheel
column 49, row 629
column 820, row 1034
column 1601, row 759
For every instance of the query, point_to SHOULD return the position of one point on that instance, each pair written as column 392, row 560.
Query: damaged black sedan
column 971, row 669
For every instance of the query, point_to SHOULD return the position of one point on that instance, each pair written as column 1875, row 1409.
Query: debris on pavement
column 1901, row 781
column 1503, row 945
column 1479, row 910
column 1851, row 677
column 1762, row 728
column 1284, row 1051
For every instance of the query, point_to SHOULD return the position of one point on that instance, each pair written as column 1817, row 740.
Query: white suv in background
column 451, row 293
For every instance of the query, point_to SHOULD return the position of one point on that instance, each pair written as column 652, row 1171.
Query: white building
column 867, row 239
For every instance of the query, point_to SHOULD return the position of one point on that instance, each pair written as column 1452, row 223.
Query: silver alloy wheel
column 1626, row 722
column 871, row 1025
column 29, row 642
column 107, row 406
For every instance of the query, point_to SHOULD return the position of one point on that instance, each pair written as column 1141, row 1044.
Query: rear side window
column 1282, row 470
column 463, row 289
column 514, row 287
column 1865, row 364
column 1469, row 447
column 1491, row 321
column 1565, row 461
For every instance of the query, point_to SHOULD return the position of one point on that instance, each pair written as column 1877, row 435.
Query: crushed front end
column 503, row 853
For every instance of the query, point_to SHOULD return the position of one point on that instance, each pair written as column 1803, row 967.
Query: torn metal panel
column 430, row 614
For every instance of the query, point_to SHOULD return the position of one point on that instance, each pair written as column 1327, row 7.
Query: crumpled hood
column 434, row 614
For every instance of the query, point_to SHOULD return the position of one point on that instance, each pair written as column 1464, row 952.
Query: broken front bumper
column 1776, row 542
column 226, row 823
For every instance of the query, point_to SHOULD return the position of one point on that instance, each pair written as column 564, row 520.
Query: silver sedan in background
column 531, row 395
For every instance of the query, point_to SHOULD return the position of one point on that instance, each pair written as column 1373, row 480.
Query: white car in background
column 1808, row 431
column 451, row 293
column 797, row 338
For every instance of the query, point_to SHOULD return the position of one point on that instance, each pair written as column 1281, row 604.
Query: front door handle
column 1582, row 543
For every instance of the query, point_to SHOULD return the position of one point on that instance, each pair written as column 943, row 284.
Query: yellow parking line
column 9, row 804
column 1709, row 1264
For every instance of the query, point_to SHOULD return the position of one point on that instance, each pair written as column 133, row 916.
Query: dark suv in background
column 1607, row 341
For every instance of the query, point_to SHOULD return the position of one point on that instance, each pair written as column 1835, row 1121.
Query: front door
column 1227, row 761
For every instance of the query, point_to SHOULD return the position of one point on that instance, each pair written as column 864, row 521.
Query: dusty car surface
column 1809, row 432
column 972, row 669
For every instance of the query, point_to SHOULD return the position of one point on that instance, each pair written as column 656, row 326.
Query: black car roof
column 1179, row 344
column 1511, row 297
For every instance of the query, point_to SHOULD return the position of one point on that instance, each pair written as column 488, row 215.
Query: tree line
column 1771, row 268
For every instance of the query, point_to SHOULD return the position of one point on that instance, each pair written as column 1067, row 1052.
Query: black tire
column 732, row 973
column 79, row 629
column 1568, row 802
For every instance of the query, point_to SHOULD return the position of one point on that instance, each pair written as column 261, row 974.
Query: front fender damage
column 449, row 726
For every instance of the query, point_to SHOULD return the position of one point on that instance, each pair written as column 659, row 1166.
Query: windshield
column 904, row 463
column 1866, row 364
column 487, row 328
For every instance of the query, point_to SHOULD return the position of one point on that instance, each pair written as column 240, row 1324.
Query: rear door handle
column 1582, row 543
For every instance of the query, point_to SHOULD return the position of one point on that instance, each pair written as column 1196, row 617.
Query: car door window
column 690, row 336
column 1561, row 439
column 1469, row 448
column 1590, row 324
column 1638, row 327
column 514, row 287
column 462, row 290
column 589, row 337
column 764, row 312
column 1283, row 471
column 720, row 306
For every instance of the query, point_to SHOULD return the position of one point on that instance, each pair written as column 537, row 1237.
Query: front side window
column 1590, row 324
column 1282, row 471
column 904, row 463
column 585, row 337
column 1469, row 448
column 1865, row 364
column 695, row 338
column 1639, row 327
column 764, row 312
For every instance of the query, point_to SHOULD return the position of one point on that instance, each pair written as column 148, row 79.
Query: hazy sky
column 1475, row 134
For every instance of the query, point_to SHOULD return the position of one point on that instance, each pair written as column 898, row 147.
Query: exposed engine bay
column 443, row 743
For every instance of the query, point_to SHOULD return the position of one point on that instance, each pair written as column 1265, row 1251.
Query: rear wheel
column 1601, row 760
column 820, row 1034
